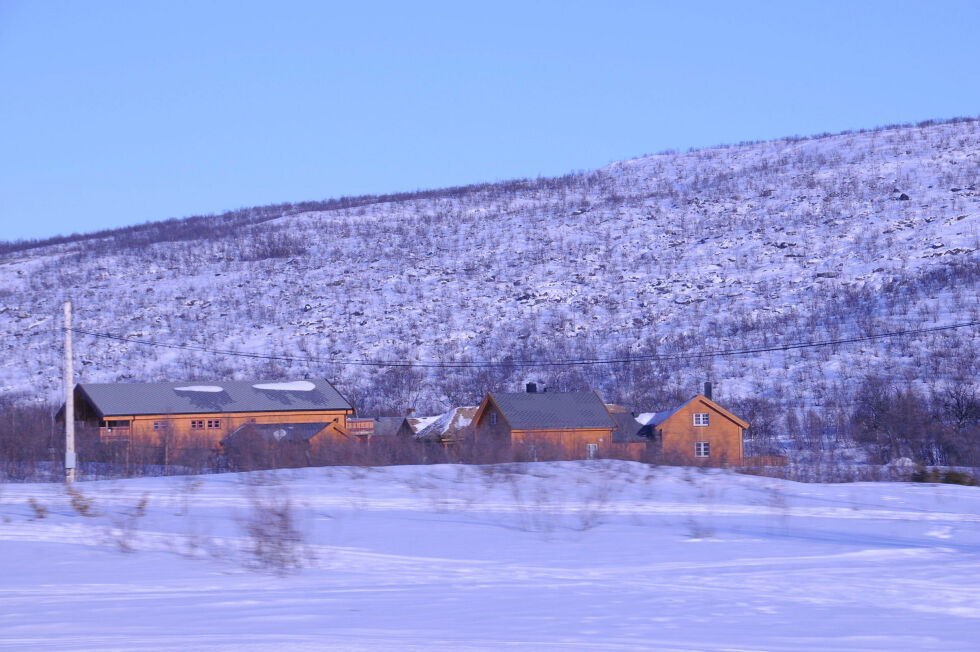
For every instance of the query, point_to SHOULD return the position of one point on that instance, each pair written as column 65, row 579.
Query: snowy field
column 555, row 556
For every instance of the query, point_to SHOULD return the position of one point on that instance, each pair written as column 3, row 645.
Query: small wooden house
column 575, row 423
column 270, row 445
column 698, row 431
column 175, row 414
column 368, row 428
column 627, row 441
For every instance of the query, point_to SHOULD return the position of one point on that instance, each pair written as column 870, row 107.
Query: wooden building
column 698, row 431
column 450, row 428
column 627, row 441
column 270, row 445
column 575, row 424
column 179, row 414
column 366, row 429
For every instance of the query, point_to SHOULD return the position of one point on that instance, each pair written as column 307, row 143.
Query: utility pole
column 69, row 402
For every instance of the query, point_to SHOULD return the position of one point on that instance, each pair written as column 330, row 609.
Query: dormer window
column 701, row 418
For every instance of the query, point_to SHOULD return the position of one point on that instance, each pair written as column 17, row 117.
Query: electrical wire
column 483, row 364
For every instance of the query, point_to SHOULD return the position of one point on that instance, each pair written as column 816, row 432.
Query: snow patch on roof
column 420, row 423
column 200, row 388
column 294, row 386
column 656, row 418
column 653, row 418
column 449, row 424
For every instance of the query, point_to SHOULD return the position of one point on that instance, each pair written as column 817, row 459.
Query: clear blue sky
column 114, row 113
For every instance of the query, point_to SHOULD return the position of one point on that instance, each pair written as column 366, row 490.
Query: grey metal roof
column 390, row 426
column 553, row 410
column 278, row 432
column 656, row 418
column 109, row 399
column 628, row 430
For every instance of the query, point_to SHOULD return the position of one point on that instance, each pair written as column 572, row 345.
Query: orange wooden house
column 179, row 414
column 576, row 424
column 698, row 431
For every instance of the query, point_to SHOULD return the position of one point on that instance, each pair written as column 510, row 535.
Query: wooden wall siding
column 179, row 430
column 573, row 441
column 483, row 431
column 680, row 434
column 360, row 427
column 635, row 451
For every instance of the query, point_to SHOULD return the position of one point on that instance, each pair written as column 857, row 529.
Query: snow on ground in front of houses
column 561, row 556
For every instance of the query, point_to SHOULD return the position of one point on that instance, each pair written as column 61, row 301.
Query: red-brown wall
column 178, row 431
column 723, row 433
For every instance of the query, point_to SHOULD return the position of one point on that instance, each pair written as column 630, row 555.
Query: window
column 197, row 424
column 214, row 423
column 493, row 418
column 702, row 449
column 160, row 425
column 701, row 418
column 116, row 424
column 591, row 451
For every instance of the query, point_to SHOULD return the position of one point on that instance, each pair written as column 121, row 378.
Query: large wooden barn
column 178, row 414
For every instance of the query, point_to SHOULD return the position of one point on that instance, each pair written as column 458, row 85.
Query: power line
column 471, row 364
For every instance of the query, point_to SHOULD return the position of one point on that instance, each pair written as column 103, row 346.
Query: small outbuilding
column 366, row 429
column 270, row 445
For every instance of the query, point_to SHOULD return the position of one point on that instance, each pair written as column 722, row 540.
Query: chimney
column 707, row 390
column 532, row 388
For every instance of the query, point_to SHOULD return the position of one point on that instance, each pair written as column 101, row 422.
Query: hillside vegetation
column 794, row 240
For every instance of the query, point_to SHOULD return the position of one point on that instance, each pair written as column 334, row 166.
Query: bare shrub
column 188, row 488
column 25, row 436
column 594, row 504
column 123, row 532
column 39, row 510
column 82, row 504
column 697, row 528
column 274, row 540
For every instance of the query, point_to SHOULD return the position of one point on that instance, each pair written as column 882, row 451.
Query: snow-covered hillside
column 788, row 241
column 570, row 556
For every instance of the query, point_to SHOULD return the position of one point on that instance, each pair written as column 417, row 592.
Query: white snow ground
column 556, row 556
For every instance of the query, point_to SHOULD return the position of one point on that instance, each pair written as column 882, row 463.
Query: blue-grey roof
column 628, row 430
column 390, row 426
column 656, row 418
column 553, row 410
column 109, row 399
